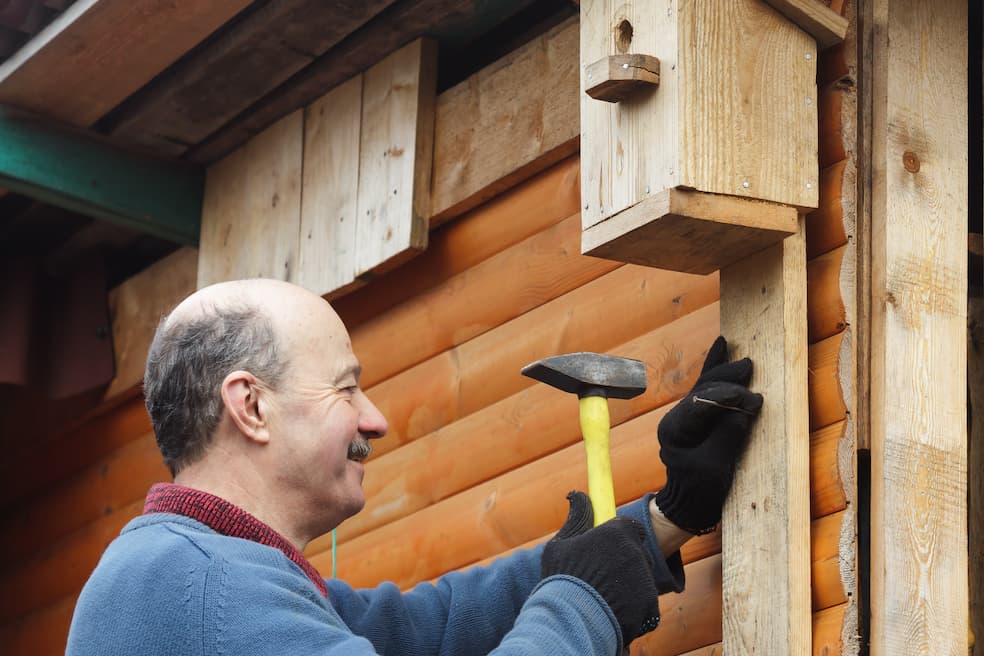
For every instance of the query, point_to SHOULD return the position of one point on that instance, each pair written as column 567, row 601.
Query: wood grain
column 919, row 599
column 763, row 313
column 395, row 158
column 252, row 209
column 245, row 62
column 497, row 128
column 330, row 188
column 98, row 52
column 689, row 231
column 826, row 314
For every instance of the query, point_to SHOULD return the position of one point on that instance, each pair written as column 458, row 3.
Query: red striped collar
column 225, row 518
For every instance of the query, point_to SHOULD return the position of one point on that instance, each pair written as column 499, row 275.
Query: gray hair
column 187, row 362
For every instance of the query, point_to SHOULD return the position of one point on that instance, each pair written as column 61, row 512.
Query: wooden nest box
column 698, row 127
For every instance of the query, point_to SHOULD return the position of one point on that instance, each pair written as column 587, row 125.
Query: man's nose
column 372, row 423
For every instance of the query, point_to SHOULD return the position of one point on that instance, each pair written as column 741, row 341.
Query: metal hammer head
column 591, row 374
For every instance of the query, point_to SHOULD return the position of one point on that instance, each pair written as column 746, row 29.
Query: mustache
column 359, row 449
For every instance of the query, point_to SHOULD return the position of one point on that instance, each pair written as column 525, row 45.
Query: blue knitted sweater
column 171, row 585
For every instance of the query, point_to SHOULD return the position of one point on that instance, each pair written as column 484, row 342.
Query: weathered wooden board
column 496, row 127
column 252, row 209
column 396, row 152
column 137, row 306
column 689, row 231
column 228, row 74
column 329, row 203
column 98, row 52
column 763, row 313
column 919, row 601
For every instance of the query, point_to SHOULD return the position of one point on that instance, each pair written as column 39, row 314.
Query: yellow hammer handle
column 595, row 425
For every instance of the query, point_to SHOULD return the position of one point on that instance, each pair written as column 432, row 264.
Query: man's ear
column 241, row 396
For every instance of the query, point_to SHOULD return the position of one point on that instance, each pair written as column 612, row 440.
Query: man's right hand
column 611, row 559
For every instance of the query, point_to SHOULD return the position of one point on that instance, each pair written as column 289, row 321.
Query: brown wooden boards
column 226, row 75
column 766, row 520
column 518, row 114
column 817, row 19
column 98, row 52
column 919, row 599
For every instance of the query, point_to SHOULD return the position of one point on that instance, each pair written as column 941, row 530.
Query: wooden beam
column 815, row 18
column 919, row 598
column 246, row 61
column 80, row 172
column 405, row 21
column 766, row 521
column 98, row 52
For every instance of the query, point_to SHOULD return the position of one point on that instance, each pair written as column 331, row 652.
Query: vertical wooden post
column 766, row 521
column 919, row 599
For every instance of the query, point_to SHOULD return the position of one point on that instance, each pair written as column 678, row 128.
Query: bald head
column 249, row 325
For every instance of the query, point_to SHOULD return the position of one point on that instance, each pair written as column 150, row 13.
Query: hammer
column 595, row 378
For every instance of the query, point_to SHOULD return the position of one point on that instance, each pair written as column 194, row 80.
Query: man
column 253, row 391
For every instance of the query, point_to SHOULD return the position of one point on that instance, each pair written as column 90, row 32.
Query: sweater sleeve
column 472, row 611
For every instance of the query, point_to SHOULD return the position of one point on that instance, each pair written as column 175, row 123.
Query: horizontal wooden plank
column 30, row 471
column 231, row 72
column 541, row 268
column 62, row 567
column 825, row 314
column 689, row 231
column 476, row 374
column 81, row 172
column 826, row 399
column 117, row 481
column 510, row 218
column 496, row 128
column 98, row 52
column 523, row 427
column 42, row 633
column 688, row 619
column 826, row 635
column 825, row 229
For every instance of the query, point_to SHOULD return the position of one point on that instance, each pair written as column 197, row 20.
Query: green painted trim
column 84, row 173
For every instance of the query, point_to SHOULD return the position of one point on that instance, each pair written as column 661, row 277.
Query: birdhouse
column 698, row 117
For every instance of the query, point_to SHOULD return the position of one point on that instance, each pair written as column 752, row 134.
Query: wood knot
column 910, row 161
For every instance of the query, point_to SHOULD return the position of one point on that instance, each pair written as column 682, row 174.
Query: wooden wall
column 478, row 458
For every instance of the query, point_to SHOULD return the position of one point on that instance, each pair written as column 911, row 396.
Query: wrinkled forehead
column 318, row 344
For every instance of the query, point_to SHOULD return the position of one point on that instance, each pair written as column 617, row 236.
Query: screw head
column 809, row 185
column 809, row 101
column 745, row 184
column 809, row 56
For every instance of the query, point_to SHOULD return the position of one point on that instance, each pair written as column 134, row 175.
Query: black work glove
column 611, row 559
column 701, row 439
